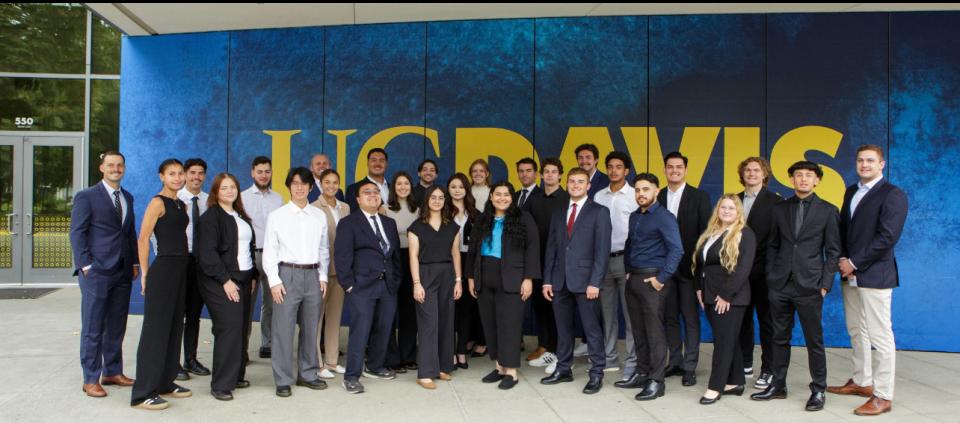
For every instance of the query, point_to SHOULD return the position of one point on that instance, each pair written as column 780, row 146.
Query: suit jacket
column 759, row 221
column 217, row 247
column 716, row 281
column 98, row 236
column 692, row 217
column 316, row 192
column 531, row 197
column 361, row 264
column 869, row 236
column 520, row 259
column 344, row 210
column 578, row 260
column 598, row 182
column 813, row 257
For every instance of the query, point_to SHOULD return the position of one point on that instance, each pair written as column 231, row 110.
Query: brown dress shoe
column 94, row 390
column 445, row 376
column 119, row 380
column 851, row 388
column 428, row 384
column 874, row 407
column 536, row 353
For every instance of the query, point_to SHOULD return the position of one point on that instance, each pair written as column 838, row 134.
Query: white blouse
column 244, row 236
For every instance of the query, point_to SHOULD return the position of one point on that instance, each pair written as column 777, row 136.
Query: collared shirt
column 748, row 199
column 493, row 244
column 374, row 227
column 864, row 188
column 654, row 241
column 187, row 197
column 123, row 200
column 709, row 242
column 244, row 233
column 295, row 236
column 259, row 205
column 579, row 209
column 621, row 204
column 673, row 199
column 528, row 190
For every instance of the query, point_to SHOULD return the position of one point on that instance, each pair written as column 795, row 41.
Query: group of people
column 432, row 273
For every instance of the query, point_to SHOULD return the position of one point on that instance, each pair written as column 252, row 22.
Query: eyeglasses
column 370, row 192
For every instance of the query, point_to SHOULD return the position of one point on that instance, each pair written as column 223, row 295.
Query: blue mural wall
column 717, row 87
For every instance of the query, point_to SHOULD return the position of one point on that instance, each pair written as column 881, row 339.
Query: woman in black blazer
column 721, row 264
column 225, row 251
column 466, row 313
column 504, row 259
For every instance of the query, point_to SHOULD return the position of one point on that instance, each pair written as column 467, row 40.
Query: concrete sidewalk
column 42, row 378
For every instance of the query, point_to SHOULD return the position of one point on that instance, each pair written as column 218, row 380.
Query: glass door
column 10, row 205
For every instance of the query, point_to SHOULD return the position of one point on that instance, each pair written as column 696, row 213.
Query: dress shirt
column 579, row 209
column 748, row 199
column 654, row 241
column 295, row 236
column 123, row 200
column 259, row 205
column 380, row 230
column 864, row 188
column 187, row 197
column 528, row 190
column 384, row 188
column 673, row 199
column 244, row 234
column 621, row 204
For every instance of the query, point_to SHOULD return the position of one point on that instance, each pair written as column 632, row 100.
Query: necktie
column 376, row 227
column 194, row 219
column 523, row 198
column 116, row 204
column 573, row 217
column 799, row 222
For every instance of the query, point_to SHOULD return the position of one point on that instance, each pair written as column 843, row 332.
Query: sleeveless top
column 171, row 228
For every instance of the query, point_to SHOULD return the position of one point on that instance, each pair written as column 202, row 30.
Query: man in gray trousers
column 296, row 258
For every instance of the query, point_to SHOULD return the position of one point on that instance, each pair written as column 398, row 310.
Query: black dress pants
column 194, row 307
column 645, row 307
column 727, row 364
column 229, row 329
column 502, row 315
column 435, row 320
column 402, row 348
column 759, row 301
column 808, row 304
column 546, row 321
column 682, row 301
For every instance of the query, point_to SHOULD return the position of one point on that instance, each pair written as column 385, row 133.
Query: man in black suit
column 587, row 157
column 427, row 171
column 578, row 249
column 758, row 201
column 367, row 258
column 319, row 163
column 802, row 254
column 871, row 222
column 376, row 173
column 527, row 173
column 692, row 209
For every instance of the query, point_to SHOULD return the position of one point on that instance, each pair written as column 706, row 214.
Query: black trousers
column 645, row 307
column 435, row 320
column 229, row 329
column 759, row 301
column 402, row 348
column 591, row 316
column 194, row 306
column 502, row 315
column 682, row 301
column 546, row 321
column 727, row 364
column 808, row 304
column 466, row 319
column 158, row 355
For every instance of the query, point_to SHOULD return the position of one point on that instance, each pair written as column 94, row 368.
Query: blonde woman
column 722, row 262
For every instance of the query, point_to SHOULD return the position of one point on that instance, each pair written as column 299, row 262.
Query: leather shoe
column 284, row 391
column 182, row 375
column 707, row 401
column 119, row 380
column 851, row 388
column 737, row 390
column 428, row 384
column 492, row 377
column 816, row 401
column 194, row 366
column 94, row 390
column 222, row 395
column 772, row 392
column 316, row 384
column 508, row 382
column 556, row 378
column 593, row 386
column 463, row 365
column 651, row 391
column 635, row 381
column 689, row 379
column 243, row 384
column 265, row 352
column 873, row 407
column 673, row 371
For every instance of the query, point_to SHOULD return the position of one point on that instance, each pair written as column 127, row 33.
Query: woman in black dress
column 434, row 240
column 163, row 286
column 226, row 253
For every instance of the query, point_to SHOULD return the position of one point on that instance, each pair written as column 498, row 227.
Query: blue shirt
column 653, row 240
column 493, row 244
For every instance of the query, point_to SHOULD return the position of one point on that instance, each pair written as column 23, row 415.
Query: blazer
column 714, row 279
column 362, row 267
column 813, row 257
column 692, row 217
column 579, row 260
column 519, row 260
column 531, row 197
column 869, row 236
column 217, row 248
column 759, row 221
column 344, row 210
column 98, row 237
column 598, row 182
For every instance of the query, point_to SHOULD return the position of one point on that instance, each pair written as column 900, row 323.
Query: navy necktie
column 383, row 242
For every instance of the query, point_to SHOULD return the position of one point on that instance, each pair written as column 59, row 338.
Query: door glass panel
column 6, row 206
column 52, row 201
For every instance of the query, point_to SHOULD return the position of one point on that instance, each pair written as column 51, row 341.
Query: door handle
column 29, row 224
column 10, row 223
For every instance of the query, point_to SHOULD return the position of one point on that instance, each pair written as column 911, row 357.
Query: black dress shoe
column 593, row 386
column 651, row 391
column 635, row 381
column 556, row 378
column 463, row 365
column 673, row 371
column 265, row 352
column 508, row 382
column 689, row 379
column 398, row 369
column 772, row 392
column 316, row 385
column 182, row 375
column 195, row 367
column 410, row 366
column 222, row 395
column 737, row 390
column 478, row 354
column 707, row 401
column 492, row 377
column 383, row 374
column 283, row 391
column 243, row 384
column 816, row 401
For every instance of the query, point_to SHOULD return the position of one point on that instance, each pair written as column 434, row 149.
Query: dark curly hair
column 513, row 226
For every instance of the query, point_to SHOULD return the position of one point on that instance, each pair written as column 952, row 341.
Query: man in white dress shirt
column 196, row 200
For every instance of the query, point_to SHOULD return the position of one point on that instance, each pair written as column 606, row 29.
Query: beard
column 261, row 187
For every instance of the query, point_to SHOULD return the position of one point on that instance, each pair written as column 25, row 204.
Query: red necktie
column 573, row 217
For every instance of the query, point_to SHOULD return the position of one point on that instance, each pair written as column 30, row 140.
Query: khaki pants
column 871, row 336
column 332, row 312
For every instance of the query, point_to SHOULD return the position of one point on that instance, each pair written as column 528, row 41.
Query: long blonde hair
column 730, row 249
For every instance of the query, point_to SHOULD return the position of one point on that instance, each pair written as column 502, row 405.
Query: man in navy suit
column 367, row 258
column 578, row 250
column 587, row 157
column 104, row 243
column 871, row 222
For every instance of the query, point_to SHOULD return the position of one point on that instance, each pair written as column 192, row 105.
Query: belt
column 644, row 270
column 616, row 253
column 299, row 266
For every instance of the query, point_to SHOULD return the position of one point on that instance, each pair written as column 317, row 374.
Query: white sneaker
column 544, row 360
column 581, row 351
column 339, row 370
column 748, row 372
column 325, row 373
column 553, row 367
